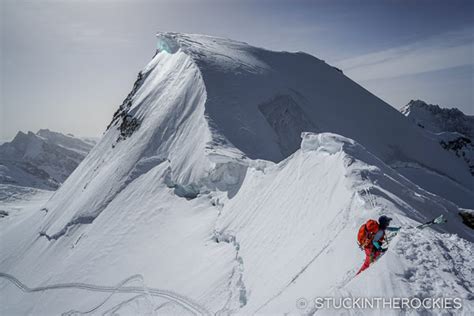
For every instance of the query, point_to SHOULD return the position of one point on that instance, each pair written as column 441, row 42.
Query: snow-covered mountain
column 450, row 127
column 42, row 160
column 439, row 120
column 233, row 179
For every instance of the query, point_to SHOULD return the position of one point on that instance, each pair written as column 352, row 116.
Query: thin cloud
column 448, row 50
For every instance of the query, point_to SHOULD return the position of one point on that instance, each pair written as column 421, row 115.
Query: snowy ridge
column 174, row 101
column 203, row 186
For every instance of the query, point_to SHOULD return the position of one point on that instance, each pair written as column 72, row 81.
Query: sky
column 68, row 65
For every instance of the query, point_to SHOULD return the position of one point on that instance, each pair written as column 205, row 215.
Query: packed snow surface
column 233, row 180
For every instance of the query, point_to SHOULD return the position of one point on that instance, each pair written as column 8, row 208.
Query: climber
column 370, row 238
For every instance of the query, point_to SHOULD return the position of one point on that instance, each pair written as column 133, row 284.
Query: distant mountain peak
column 451, row 128
column 434, row 108
column 438, row 119
column 41, row 160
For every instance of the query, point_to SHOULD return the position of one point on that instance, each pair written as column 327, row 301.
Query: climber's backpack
column 366, row 233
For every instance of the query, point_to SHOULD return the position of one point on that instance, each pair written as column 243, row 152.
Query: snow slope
column 42, row 160
column 259, row 251
column 198, row 200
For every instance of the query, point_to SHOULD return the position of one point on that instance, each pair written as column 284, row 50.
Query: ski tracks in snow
column 116, row 307
column 179, row 299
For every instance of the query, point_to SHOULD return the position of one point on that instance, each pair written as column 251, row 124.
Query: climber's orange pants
column 370, row 255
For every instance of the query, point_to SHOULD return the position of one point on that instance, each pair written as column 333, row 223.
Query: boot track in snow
column 181, row 300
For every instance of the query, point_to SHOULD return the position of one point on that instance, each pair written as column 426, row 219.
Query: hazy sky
column 67, row 65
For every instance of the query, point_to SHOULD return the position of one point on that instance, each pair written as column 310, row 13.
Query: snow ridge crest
column 325, row 142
